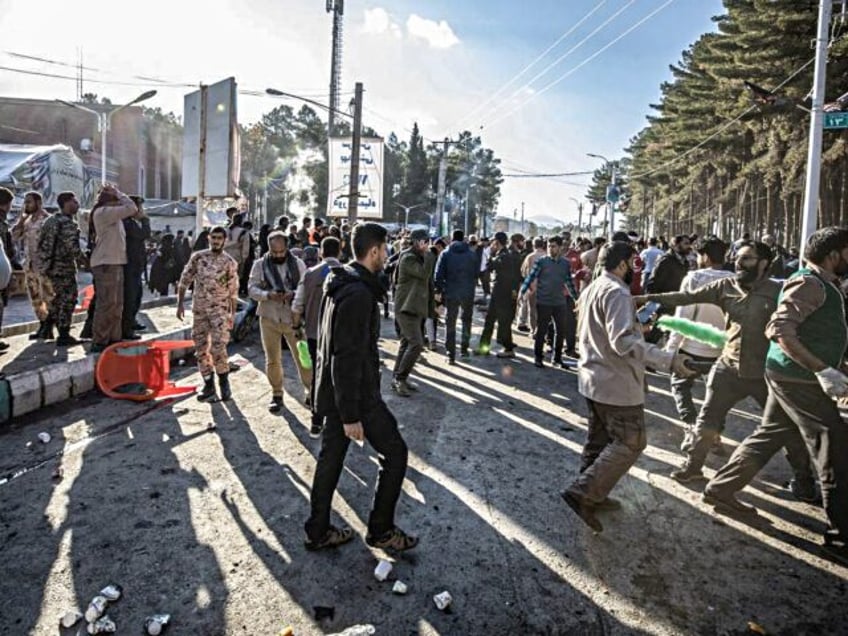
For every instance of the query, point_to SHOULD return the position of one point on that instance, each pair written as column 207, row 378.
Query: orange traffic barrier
column 139, row 371
column 85, row 297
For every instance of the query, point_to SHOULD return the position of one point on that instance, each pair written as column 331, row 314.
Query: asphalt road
column 197, row 511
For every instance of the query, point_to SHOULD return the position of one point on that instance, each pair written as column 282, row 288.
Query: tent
column 47, row 169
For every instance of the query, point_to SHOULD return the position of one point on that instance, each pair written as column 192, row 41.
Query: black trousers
column 501, row 311
column 133, row 290
column 453, row 311
column 564, row 328
column 312, row 343
column 381, row 431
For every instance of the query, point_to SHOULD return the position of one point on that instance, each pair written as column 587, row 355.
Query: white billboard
column 370, row 177
column 223, row 162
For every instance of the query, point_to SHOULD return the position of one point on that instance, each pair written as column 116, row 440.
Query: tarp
column 46, row 169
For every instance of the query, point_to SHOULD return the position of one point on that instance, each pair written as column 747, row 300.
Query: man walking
column 214, row 274
column 670, row 268
column 347, row 394
column 555, row 298
column 59, row 252
column 527, row 300
column 611, row 376
column 411, row 308
column 456, row 280
column 506, row 264
column 107, row 264
column 307, row 306
column 805, row 375
column 273, row 281
column 28, row 229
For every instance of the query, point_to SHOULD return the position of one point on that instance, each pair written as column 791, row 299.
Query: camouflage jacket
column 59, row 245
column 215, row 278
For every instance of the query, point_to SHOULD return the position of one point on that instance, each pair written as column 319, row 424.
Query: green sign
column 835, row 121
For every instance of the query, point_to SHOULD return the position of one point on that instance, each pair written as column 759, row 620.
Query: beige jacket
column 110, row 247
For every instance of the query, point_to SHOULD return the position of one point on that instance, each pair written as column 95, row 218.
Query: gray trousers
column 615, row 439
column 411, row 344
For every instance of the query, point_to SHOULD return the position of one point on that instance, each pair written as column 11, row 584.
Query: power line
column 582, row 64
column 496, row 94
column 550, row 174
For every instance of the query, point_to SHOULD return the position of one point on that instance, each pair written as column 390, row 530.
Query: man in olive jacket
column 412, row 293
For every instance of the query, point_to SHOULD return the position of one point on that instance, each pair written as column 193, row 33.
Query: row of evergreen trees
column 715, row 159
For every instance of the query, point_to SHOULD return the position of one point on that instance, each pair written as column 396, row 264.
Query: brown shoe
column 395, row 539
column 333, row 538
column 583, row 509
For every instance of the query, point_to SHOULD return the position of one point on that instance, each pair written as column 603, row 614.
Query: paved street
column 197, row 510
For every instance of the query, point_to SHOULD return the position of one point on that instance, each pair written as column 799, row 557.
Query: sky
column 543, row 82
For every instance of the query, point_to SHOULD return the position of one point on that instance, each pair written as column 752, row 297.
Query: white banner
column 370, row 177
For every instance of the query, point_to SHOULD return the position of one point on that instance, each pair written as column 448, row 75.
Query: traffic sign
column 835, row 121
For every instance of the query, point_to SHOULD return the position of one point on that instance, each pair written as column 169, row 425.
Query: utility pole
column 522, row 217
column 201, row 166
column 336, row 7
column 353, row 192
column 440, row 190
column 811, row 189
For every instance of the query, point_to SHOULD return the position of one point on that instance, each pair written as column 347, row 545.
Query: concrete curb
column 22, row 328
column 55, row 383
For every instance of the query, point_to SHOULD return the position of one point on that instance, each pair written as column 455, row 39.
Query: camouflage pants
column 40, row 293
column 64, row 300
column 210, row 331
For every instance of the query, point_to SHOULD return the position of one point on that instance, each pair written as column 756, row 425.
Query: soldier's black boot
column 208, row 392
column 224, row 384
column 38, row 335
column 48, row 330
column 65, row 338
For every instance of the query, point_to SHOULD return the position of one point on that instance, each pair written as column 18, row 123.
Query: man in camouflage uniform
column 59, row 252
column 28, row 230
column 215, row 277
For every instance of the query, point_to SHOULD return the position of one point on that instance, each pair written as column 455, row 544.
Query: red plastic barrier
column 146, row 364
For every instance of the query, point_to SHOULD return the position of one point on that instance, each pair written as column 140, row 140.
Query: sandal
column 334, row 537
column 395, row 539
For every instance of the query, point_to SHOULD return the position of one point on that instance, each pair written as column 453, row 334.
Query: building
column 144, row 154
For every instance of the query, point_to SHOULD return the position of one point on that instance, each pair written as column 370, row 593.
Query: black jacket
column 136, row 233
column 347, row 369
column 668, row 273
column 507, row 267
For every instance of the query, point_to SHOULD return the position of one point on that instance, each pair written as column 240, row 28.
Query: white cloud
column 378, row 21
column 439, row 35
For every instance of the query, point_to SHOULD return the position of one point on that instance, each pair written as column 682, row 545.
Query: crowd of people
column 323, row 289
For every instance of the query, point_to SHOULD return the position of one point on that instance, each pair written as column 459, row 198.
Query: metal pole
column 201, row 166
column 612, row 203
column 104, row 127
column 353, row 192
column 465, row 228
column 811, row 190
column 522, row 217
column 579, row 218
column 440, row 191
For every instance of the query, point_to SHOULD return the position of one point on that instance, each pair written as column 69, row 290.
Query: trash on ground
column 756, row 628
column 324, row 612
column 58, row 473
column 399, row 587
column 156, row 624
column 44, row 437
column 383, row 569
column 112, row 592
column 96, row 609
column 357, row 630
column 70, row 618
column 104, row 625
column 443, row 600
column 288, row 630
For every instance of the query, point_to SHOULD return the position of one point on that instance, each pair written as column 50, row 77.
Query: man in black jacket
column 506, row 263
column 346, row 391
column 671, row 268
column 137, row 230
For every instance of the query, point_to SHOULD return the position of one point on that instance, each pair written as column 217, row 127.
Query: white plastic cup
column 44, row 437
column 399, row 588
column 443, row 600
column 383, row 569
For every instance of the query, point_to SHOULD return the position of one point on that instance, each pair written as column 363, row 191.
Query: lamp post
column 406, row 209
column 104, row 122
column 579, row 214
column 611, row 204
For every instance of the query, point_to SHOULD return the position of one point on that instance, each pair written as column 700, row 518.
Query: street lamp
column 406, row 209
column 610, row 204
column 104, row 122
column 278, row 93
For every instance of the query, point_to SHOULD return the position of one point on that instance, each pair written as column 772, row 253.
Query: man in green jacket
column 412, row 293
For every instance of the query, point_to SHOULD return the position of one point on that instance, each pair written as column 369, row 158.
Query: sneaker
column 804, row 490
column 276, row 404
column 395, row 539
column 399, row 387
column 333, row 538
column 686, row 474
column 523, row 328
column 506, row 353
column 451, row 360
column 464, row 353
column 582, row 509
column 727, row 505
column 411, row 385
column 4, row 346
column 315, row 430
column 539, row 363
column 139, row 327
column 480, row 351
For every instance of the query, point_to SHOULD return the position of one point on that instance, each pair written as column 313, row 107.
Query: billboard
column 370, row 177
column 223, row 162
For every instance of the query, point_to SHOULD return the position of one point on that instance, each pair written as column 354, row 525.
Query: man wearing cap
column 411, row 308
column 506, row 264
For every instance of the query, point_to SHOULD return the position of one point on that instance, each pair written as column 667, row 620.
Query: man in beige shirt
column 107, row 263
column 28, row 230
column 611, row 376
